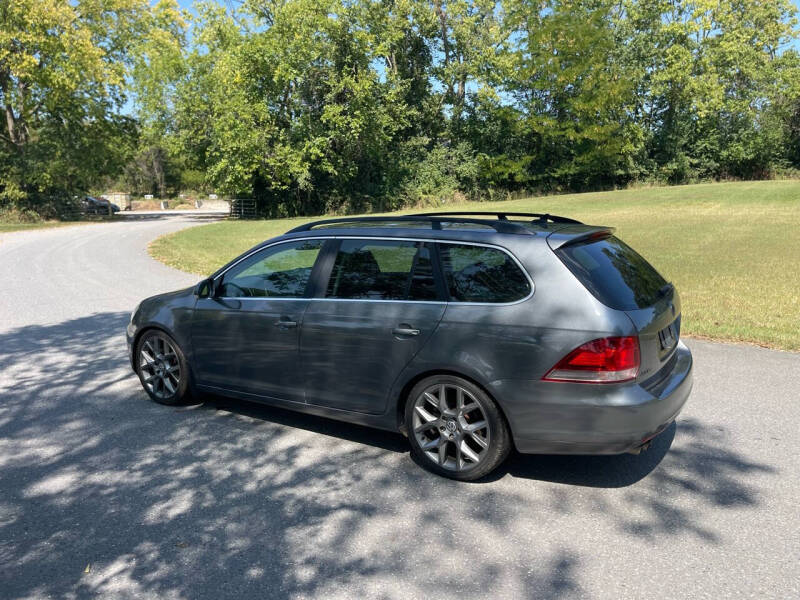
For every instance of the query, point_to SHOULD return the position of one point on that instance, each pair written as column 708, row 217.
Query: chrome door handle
column 404, row 330
column 285, row 323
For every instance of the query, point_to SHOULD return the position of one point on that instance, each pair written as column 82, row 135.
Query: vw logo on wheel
column 451, row 426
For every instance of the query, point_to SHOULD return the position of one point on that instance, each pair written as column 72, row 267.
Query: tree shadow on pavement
column 386, row 440
column 604, row 471
column 105, row 493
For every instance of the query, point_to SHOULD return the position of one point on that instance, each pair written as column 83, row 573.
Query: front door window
column 281, row 271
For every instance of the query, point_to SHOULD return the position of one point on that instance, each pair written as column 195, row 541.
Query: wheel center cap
column 451, row 426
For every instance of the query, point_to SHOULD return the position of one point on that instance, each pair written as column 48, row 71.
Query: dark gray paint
column 344, row 361
column 352, row 351
column 249, row 344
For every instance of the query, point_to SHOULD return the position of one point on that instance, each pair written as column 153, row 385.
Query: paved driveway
column 103, row 493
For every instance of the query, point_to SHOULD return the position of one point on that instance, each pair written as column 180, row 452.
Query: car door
column 380, row 305
column 245, row 337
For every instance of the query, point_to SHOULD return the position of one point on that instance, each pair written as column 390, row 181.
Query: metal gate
column 243, row 208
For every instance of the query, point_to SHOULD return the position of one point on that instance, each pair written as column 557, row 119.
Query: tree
column 345, row 104
column 316, row 105
column 571, row 100
column 712, row 77
column 63, row 71
column 293, row 107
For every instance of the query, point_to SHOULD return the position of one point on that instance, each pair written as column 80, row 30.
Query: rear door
column 623, row 280
column 379, row 307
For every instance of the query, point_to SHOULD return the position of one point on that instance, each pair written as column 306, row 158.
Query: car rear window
column 482, row 274
column 614, row 272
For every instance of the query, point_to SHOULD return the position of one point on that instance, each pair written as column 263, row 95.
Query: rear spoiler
column 577, row 234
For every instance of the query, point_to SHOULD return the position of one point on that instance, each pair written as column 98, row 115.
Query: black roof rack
column 501, row 226
column 499, row 223
column 503, row 216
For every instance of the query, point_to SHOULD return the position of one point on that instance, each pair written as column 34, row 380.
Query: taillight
column 605, row 360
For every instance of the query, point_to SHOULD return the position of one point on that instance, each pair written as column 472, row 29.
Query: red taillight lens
column 605, row 360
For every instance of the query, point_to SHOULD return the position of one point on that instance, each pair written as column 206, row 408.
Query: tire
column 465, row 438
column 162, row 368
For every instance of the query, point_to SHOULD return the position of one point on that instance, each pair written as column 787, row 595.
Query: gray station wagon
column 468, row 332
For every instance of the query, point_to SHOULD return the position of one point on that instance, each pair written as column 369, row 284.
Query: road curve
column 105, row 494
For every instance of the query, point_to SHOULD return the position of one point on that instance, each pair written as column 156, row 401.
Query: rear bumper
column 574, row 418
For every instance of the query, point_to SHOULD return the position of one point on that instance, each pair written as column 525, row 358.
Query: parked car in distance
column 468, row 332
column 98, row 206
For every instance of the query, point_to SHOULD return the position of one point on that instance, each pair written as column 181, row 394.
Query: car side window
column 482, row 274
column 281, row 271
column 382, row 270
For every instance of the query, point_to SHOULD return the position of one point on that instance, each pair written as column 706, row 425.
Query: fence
column 76, row 211
column 243, row 208
column 71, row 213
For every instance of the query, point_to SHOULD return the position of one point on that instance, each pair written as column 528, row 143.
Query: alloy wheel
column 451, row 427
column 160, row 367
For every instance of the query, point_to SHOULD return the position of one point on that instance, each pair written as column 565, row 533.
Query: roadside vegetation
column 732, row 249
column 316, row 106
column 24, row 220
column 8, row 227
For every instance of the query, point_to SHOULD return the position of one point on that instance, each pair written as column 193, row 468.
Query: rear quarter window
column 482, row 274
column 613, row 272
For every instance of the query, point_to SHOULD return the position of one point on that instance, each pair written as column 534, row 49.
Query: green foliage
column 153, row 171
column 18, row 216
column 442, row 172
column 329, row 106
column 714, row 84
column 64, row 69
column 342, row 105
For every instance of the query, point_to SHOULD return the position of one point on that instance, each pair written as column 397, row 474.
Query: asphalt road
column 104, row 493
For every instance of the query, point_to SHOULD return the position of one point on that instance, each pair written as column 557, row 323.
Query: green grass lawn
column 6, row 227
column 732, row 249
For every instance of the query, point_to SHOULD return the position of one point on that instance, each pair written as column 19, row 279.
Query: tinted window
column 281, row 271
column 382, row 270
column 481, row 274
column 614, row 273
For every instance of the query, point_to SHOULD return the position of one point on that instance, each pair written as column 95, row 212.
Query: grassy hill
column 732, row 249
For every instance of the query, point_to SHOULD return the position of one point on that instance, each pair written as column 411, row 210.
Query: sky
column 187, row 4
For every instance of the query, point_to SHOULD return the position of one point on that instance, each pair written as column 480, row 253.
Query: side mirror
column 204, row 289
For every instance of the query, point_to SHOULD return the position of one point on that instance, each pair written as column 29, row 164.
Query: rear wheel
column 455, row 428
column 162, row 368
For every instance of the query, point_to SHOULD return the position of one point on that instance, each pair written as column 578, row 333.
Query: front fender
column 171, row 313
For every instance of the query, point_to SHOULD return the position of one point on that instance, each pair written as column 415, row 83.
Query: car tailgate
column 659, row 331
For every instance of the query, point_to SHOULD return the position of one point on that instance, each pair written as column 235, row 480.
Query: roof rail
column 435, row 219
column 503, row 216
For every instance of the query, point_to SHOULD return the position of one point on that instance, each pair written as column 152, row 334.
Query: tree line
column 321, row 105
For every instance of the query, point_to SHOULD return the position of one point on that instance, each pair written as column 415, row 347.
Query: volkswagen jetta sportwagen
column 467, row 332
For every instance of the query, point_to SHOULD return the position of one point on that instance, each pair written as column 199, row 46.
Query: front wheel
column 455, row 428
column 162, row 368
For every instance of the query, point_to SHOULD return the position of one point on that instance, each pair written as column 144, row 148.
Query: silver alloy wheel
column 160, row 367
column 450, row 426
